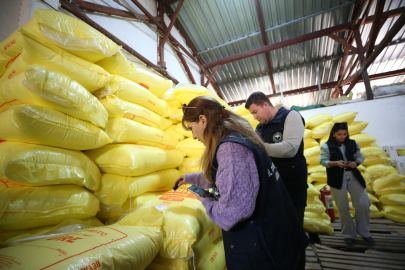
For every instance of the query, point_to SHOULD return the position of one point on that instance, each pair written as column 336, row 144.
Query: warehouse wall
column 136, row 34
column 386, row 118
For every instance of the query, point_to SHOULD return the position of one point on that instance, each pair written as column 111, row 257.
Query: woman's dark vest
column 293, row 170
column 274, row 230
column 335, row 174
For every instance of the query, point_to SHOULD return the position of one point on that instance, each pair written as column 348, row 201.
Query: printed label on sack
column 177, row 196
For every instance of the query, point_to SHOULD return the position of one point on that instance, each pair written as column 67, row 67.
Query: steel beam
column 173, row 20
column 377, row 23
column 211, row 76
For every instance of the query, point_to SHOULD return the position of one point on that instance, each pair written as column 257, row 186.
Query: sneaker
column 369, row 240
column 349, row 241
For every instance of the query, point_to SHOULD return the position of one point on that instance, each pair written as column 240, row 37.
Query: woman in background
column 341, row 156
column 261, row 229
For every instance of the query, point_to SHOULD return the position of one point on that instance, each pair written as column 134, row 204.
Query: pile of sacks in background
column 67, row 88
column 382, row 180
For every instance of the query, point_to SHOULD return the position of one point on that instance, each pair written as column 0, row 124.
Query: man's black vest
column 335, row 174
column 274, row 228
column 293, row 170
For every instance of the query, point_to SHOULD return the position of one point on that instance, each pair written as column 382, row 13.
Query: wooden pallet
column 375, row 260
column 388, row 236
column 312, row 262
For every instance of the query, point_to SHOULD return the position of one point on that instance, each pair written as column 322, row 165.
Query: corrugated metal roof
column 222, row 28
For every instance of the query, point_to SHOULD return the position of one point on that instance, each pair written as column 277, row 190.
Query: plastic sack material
column 377, row 171
column 313, row 160
column 241, row 110
column 252, row 121
column 347, row 117
column 190, row 165
column 118, row 64
column 10, row 48
column 307, row 133
column 372, row 160
column 42, row 125
column 112, row 213
column 316, row 169
column 186, row 93
column 309, row 179
column 187, row 229
column 322, row 130
column 39, row 165
column 70, row 34
column 171, row 131
column 319, row 177
column 362, row 139
column 123, row 130
column 316, row 120
column 356, row 127
column 372, row 151
column 135, row 93
column 313, row 151
column 134, row 160
column 130, row 244
column 309, row 143
column 393, row 199
column 47, row 87
column 395, row 213
column 116, row 189
column 29, row 207
column 312, row 191
column 118, row 108
column 398, row 188
column 324, row 139
column 12, row 238
column 191, row 148
column 88, row 75
column 317, row 225
column 171, row 100
column 314, row 205
column 186, row 133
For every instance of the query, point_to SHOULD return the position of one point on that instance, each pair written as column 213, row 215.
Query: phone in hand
column 200, row 191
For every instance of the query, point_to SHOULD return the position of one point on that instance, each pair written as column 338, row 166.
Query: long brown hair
column 220, row 123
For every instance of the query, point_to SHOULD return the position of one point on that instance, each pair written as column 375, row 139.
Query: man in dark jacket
column 282, row 130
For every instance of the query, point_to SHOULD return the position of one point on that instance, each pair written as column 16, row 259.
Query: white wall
column 386, row 117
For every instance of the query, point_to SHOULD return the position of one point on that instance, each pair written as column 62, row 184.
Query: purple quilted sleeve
column 238, row 182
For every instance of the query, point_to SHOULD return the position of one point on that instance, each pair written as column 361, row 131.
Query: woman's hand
column 341, row 163
column 199, row 198
column 181, row 180
column 353, row 164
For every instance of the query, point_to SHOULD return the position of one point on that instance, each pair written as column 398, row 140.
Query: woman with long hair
column 260, row 227
column 341, row 156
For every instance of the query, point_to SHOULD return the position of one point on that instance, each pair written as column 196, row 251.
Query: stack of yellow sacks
column 48, row 115
column 317, row 133
column 242, row 111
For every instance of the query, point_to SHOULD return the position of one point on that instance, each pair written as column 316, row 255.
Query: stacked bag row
column 49, row 115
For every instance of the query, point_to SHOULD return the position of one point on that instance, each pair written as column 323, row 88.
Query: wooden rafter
column 361, row 53
column 173, row 20
column 211, row 76
column 342, row 42
column 161, row 45
column 263, row 33
column 377, row 23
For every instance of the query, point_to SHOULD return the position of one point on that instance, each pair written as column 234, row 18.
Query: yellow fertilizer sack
column 241, row 110
column 214, row 256
column 179, row 129
column 40, row 165
column 47, row 87
column 178, row 136
column 309, row 143
column 372, row 151
column 116, row 189
column 191, row 148
column 395, row 213
column 70, row 34
column 134, row 160
column 361, row 168
column 88, row 75
column 322, row 130
column 362, row 139
column 316, row 120
column 251, row 120
column 5, row 63
column 313, row 151
column 307, row 133
column 319, row 177
column 190, row 165
column 374, row 172
column 123, row 130
column 12, row 238
column 324, row 139
column 393, row 199
column 29, row 207
column 347, row 117
column 313, row 160
column 316, row 169
column 172, row 100
column 312, row 191
column 314, row 206
column 111, row 213
column 372, row 160
column 135, row 93
column 129, row 244
column 118, row 108
column 42, row 125
column 186, row 93
column 356, row 127
column 118, row 64
column 398, row 188
column 309, row 179
column 372, row 198
column 318, row 225
column 185, row 224
column 12, row 45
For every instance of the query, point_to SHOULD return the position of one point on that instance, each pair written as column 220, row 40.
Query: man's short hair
column 257, row 98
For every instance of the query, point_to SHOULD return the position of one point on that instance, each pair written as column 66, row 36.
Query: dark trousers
column 299, row 200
